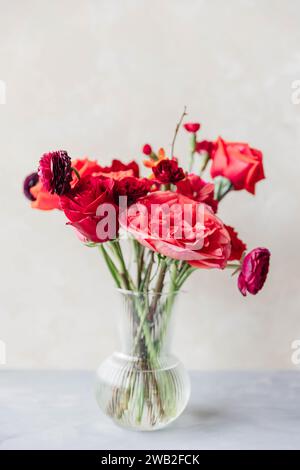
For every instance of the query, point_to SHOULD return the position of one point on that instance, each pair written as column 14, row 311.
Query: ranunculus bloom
column 196, row 188
column 80, row 205
column 167, row 171
column 132, row 187
column 254, row 271
column 204, row 146
column 29, row 182
column 237, row 246
column 192, row 127
column 55, row 172
column 179, row 227
column 147, row 149
column 238, row 162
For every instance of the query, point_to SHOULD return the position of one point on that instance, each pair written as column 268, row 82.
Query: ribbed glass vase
column 143, row 386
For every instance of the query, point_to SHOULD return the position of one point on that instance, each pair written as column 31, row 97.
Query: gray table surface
column 227, row 410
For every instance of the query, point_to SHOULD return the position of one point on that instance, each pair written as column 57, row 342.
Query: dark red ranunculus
column 254, row 271
column 80, row 206
column 196, row 188
column 132, row 187
column 167, row 171
column 30, row 181
column 239, row 163
column 55, row 172
column 237, row 246
column 192, row 127
column 204, row 146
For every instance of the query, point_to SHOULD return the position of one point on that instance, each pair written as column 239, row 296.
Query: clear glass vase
column 143, row 386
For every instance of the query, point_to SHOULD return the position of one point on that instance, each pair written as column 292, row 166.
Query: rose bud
column 167, row 171
column 147, row 149
column 30, row 181
column 55, row 172
column 254, row 271
column 192, row 127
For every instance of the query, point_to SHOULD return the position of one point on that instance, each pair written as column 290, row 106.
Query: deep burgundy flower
column 55, row 172
column 30, row 181
column 254, row 271
column 167, row 171
column 204, row 146
column 147, row 149
column 192, row 127
column 132, row 187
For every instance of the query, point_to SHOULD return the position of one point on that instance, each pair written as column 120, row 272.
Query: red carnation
column 196, row 188
column 132, row 187
column 147, row 149
column 204, row 146
column 117, row 166
column 254, row 271
column 55, row 172
column 192, row 127
column 167, row 171
column 237, row 246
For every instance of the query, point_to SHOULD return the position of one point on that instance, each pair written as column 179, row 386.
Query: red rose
column 254, row 271
column 196, row 188
column 176, row 226
column 239, row 163
column 82, row 203
column 132, row 187
column 237, row 246
column 192, row 127
column 167, row 171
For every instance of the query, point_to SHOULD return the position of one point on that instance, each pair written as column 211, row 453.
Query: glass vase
column 143, row 386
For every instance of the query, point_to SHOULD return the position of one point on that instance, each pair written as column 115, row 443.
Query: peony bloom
column 55, row 172
column 254, row 271
column 237, row 246
column 132, row 187
column 196, row 188
column 192, row 127
column 176, row 226
column 30, row 181
column 204, row 146
column 147, row 149
column 81, row 206
column 239, row 163
column 167, row 171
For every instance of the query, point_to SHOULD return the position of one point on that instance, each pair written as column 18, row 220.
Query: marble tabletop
column 227, row 410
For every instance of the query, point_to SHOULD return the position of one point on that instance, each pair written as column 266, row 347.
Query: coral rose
column 179, row 227
column 239, row 163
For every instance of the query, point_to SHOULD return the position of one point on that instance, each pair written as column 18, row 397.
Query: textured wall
column 100, row 78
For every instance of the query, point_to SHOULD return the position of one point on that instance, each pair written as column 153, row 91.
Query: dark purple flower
column 254, row 271
column 55, row 172
column 30, row 181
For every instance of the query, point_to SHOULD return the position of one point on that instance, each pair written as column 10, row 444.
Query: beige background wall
column 100, row 78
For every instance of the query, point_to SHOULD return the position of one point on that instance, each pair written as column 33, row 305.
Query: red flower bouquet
column 172, row 220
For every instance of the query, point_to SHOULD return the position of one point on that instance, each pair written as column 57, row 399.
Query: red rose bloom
column 196, row 188
column 80, row 206
column 55, row 172
column 132, row 187
column 192, row 127
column 167, row 171
column 239, row 163
column 237, row 246
column 254, row 271
column 176, row 226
